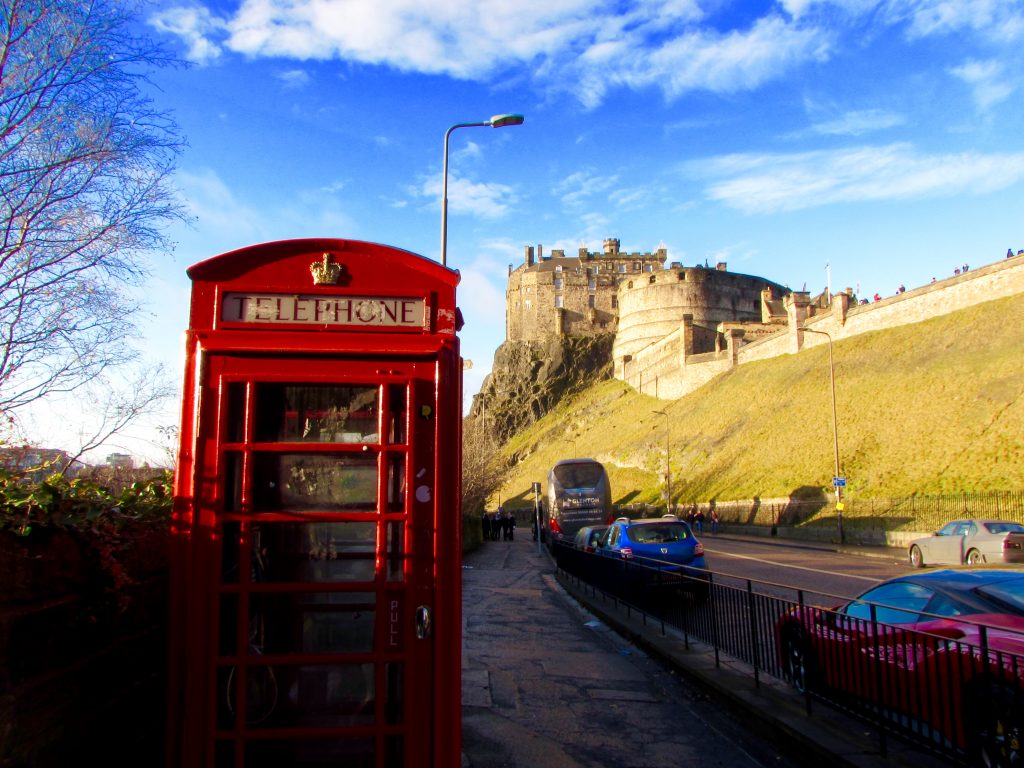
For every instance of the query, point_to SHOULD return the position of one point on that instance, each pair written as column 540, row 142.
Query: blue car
column 659, row 551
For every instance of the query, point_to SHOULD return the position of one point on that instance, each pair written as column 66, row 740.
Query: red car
column 940, row 655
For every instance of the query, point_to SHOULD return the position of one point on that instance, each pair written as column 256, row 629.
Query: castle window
column 558, row 268
column 591, row 300
column 558, row 285
column 652, row 278
column 592, row 285
column 648, row 267
column 528, row 303
column 615, row 302
column 558, row 302
column 636, row 266
column 622, row 267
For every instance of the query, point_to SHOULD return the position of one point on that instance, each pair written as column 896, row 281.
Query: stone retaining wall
column 81, row 663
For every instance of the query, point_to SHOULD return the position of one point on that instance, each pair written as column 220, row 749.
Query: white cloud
column 777, row 182
column 193, row 25
column 735, row 61
column 580, row 46
column 574, row 189
column 293, row 78
column 987, row 80
column 488, row 200
column 855, row 123
column 215, row 207
column 997, row 19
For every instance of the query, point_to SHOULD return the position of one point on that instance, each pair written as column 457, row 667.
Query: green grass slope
column 930, row 408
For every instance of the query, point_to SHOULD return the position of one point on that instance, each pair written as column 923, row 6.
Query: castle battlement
column 558, row 294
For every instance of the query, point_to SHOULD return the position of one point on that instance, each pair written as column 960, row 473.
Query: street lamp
column 498, row 121
column 668, row 462
column 835, row 434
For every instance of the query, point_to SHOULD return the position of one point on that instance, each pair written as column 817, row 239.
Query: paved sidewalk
column 547, row 684
column 557, row 678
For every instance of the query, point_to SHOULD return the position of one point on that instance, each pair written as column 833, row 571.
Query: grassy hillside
column 930, row 408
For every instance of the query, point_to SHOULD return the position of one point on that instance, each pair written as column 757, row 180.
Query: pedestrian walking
column 714, row 522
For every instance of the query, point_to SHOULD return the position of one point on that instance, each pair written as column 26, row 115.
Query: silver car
column 972, row 542
column 586, row 537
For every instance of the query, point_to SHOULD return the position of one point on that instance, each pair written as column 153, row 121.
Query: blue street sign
column 839, row 482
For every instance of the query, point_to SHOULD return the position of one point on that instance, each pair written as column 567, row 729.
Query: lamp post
column 498, row 121
column 835, row 434
column 668, row 463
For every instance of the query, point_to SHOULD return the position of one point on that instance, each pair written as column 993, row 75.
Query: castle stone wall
column 993, row 281
column 571, row 295
column 652, row 306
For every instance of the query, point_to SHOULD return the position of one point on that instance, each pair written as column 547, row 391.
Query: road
column 546, row 684
column 826, row 576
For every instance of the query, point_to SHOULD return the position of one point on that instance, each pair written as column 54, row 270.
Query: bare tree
column 85, row 171
column 115, row 406
column 482, row 467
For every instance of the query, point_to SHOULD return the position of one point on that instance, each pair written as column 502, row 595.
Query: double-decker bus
column 578, row 494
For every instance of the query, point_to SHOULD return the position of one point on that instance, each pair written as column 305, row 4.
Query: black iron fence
column 956, row 690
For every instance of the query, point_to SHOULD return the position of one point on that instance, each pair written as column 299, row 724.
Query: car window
column 949, row 529
column 898, row 602
column 967, row 529
column 660, row 533
column 1009, row 594
column 1004, row 527
column 942, row 605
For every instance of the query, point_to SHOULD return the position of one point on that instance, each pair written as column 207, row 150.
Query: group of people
column 696, row 520
column 1009, row 252
column 498, row 525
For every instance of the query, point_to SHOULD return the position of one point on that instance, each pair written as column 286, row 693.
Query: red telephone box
column 315, row 605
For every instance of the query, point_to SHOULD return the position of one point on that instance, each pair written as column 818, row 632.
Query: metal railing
column 957, row 692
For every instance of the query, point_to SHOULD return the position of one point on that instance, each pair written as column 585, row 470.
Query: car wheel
column 916, row 558
column 799, row 666
column 995, row 725
column 973, row 557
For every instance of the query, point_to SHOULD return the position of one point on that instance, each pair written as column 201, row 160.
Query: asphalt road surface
column 546, row 685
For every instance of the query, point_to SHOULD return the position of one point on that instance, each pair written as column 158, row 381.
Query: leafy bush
column 80, row 502
column 108, row 522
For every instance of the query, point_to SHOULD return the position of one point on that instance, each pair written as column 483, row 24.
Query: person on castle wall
column 877, row 297
column 1009, row 252
column 1020, row 252
column 956, row 271
column 964, row 268
column 901, row 289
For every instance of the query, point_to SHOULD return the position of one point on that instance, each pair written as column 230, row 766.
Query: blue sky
column 872, row 143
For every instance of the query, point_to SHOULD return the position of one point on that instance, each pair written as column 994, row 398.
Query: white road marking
column 797, row 567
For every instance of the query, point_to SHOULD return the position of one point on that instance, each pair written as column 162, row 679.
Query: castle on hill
column 632, row 295
column 678, row 327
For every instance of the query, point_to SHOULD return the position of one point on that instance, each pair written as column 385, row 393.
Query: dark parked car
column 662, row 551
column 941, row 652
